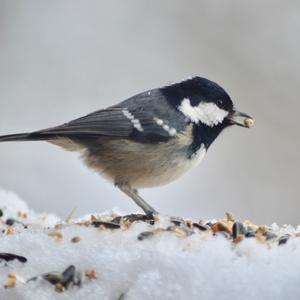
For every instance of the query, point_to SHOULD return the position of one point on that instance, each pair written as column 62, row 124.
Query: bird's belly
column 164, row 175
column 141, row 165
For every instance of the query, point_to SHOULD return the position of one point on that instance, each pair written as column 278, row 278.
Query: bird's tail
column 22, row 137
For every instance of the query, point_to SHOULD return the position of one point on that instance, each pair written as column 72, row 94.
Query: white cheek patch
column 135, row 122
column 207, row 113
column 172, row 131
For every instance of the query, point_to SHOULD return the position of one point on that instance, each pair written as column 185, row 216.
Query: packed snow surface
column 134, row 257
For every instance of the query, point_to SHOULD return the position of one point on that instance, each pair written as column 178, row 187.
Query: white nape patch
column 135, row 122
column 198, row 156
column 207, row 113
column 172, row 131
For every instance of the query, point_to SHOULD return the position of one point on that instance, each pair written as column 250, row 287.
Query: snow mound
column 143, row 257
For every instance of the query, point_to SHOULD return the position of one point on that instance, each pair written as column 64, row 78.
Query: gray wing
column 144, row 117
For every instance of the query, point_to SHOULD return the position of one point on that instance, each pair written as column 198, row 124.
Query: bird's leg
column 132, row 193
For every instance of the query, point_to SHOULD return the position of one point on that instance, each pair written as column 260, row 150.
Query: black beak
column 247, row 122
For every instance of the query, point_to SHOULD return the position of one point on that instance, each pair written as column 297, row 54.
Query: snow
column 165, row 265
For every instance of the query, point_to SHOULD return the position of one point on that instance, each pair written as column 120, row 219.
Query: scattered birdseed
column 200, row 227
column 250, row 234
column 145, row 235
column 101, row 228
column 237, row 230
column 108, row 225
column 149, row 218
column 283, row 239
column 91, row 274
column 58, row 226
column 63, row 280
column 11, row 281
column 68, row 276
column 234, row 231
column 229, row 217
column 9, row 231
column 238, row 239
column 180, row 231
column 10, row 222
column 93, row 218
column 56, row 234
column 21, row 214
column 59, row 287
column 76, row 239
column 219, row 226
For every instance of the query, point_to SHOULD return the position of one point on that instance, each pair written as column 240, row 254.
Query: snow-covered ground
column 148, row 259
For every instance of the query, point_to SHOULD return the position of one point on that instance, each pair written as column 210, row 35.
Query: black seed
column 139, row 217
column 10, row 222
column 151, row 222
column 200, row 227
column 249, row 232
column 145, row 235
column 1, row 213
column 10, row 256
column 68, row 276
column 237, row 229
column 109, row 225
column 283, row 239
column 150, row 215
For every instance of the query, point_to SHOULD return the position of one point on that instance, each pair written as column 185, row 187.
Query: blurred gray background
column 62, row 59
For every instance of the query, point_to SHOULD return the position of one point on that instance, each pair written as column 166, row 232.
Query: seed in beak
column 248, row 122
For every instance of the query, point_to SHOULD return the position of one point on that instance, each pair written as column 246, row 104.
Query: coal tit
column 149, row 139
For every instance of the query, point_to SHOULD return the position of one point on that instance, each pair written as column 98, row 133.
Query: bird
column 149, row 139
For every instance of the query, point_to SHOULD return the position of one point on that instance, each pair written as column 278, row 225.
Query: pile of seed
column 232, row 230
column 229, row 228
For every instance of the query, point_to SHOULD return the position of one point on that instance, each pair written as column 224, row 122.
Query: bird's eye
column 220, row 102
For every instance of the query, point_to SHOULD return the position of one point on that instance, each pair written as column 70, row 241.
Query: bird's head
column 206, row 105
column 204, row 102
